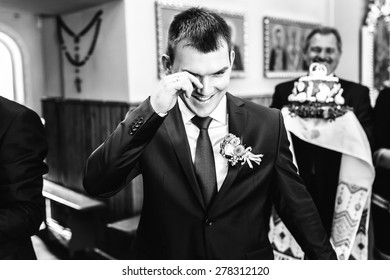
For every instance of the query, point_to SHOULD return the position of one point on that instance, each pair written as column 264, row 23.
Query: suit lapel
column 237, row 120
column 178, row 137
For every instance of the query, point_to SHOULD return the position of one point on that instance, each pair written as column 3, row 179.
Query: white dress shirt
column 218, row 129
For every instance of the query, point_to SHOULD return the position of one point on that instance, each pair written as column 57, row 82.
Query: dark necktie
column 204, row 160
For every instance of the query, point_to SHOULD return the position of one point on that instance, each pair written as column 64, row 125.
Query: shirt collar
column 219, row 114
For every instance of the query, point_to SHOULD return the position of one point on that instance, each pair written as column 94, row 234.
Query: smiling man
column 318, row 166
column 203, row 200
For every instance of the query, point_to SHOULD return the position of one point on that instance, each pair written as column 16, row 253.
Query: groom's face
column 213, row 71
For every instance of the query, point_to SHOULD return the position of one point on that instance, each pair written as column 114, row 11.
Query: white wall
column 104, row 76
column 142, row 50
column 52, row 59
column 348, row 18
column 24, row 28
column 124, row 65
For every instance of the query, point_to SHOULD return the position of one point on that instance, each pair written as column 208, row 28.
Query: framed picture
column 165, row 11
column 283, row 47
column 375, row 48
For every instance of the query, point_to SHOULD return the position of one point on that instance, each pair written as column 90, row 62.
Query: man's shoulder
column 287, row 84
column 384, row 96
column 347, row 85
column 252, row 107
column 11, row 107
column 9, row 110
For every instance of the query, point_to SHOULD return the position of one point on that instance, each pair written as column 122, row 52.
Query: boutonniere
column 234, row 151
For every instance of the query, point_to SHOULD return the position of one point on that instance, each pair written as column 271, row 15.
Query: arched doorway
column 11, row 69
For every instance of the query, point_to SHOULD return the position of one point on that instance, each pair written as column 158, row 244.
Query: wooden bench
column 128, row 226
column 121, row 235
column 73, row 218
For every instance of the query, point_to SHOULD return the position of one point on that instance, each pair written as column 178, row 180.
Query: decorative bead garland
column 75, row 60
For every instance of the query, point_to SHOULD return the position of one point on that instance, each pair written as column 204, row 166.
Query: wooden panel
column 74, row 129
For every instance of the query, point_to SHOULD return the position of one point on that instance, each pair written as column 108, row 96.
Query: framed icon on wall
column 283, row 47
column 165, row 12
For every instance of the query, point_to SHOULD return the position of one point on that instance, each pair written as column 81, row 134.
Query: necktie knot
column 202, row 123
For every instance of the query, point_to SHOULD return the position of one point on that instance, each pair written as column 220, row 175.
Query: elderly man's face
column 323, row 49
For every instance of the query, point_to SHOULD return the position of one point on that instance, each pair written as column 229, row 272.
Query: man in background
column 320, row 167
column 381, row 189
column 23, row 148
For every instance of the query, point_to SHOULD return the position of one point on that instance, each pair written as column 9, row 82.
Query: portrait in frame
column 165, row 12
column 283, row 47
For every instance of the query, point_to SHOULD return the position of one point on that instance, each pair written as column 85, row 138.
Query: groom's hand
column 170, row 87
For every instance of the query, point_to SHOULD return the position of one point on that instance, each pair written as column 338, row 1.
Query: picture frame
column 165, row 12
column 283, row 47
column 375, row 48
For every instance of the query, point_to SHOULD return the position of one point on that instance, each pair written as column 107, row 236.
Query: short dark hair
column 202, row 29
column 324, row 30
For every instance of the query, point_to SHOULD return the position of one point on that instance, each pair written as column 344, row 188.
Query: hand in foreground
column 170, row 87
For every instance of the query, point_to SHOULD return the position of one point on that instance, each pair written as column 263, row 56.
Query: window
column 11, row 69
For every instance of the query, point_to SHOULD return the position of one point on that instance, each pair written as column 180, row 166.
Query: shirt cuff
column 160, row 114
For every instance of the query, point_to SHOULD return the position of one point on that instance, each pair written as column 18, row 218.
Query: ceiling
column 51, row 7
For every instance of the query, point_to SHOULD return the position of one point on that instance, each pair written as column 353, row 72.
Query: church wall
column 141, row 36
column 25, row 29
column 104, row 75
column 124, row 65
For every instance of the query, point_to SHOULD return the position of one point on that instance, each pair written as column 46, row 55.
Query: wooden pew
column 120, row 236
column 73, row 218
column 127, row 226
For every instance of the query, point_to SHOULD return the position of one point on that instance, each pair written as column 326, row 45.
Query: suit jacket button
column 208, row 222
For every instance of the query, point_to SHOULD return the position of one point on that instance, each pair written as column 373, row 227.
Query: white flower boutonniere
column 234, row 151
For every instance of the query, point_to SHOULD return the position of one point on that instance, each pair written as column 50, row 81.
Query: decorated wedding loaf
column 317, row 95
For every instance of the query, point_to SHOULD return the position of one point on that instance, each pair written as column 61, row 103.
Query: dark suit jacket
column 320, row 167
column 174, row 222
column 381, row 217
column 22, row 151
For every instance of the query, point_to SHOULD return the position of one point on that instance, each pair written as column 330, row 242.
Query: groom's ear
column 167, row 64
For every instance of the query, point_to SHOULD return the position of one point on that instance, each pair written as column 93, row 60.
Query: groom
column 198, row 204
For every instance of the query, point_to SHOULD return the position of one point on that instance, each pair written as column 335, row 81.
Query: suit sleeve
column 295, row 206
column 22, row 154
column 115, row 162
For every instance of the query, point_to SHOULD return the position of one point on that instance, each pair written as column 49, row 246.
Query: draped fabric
column 349, row 235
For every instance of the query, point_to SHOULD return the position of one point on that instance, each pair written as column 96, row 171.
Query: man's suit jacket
column 174, row 222
column 324, row 163
column 381, row 216
column 23, row 148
